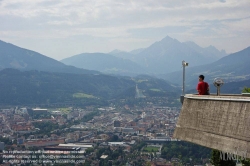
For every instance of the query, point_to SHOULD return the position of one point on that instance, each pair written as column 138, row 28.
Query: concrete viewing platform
column 218, row 122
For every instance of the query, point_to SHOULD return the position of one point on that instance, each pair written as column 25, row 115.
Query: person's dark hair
column 202, row 77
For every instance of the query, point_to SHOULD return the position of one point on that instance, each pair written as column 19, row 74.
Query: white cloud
column 114, row 20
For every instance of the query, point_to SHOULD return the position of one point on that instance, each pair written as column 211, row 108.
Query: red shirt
column 202, row 88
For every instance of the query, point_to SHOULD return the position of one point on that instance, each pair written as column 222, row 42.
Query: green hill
column 38, row 87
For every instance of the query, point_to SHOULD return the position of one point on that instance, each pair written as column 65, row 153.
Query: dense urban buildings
column 140, row 131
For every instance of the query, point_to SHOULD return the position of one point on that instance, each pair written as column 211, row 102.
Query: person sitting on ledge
column 202, row 87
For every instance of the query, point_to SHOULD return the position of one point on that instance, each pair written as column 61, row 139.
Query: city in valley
column 120, row 134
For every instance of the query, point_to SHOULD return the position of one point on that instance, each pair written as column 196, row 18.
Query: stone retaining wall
column 217, row 122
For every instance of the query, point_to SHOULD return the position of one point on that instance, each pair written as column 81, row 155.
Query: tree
column 217, row 160
column 89, row 150
column 87, row 163
column 184, row 151
column 246, row 90
column 114, row 138
column 245, row 162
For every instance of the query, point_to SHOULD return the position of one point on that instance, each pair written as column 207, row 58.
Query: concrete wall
column 218, row 122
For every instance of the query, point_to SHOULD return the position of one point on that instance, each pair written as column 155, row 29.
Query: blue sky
column 62, row 28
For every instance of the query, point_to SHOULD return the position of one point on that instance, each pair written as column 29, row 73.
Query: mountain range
column 231, row 68
column 161, row 57
column 105, row 63
column 12, row 56
column 27, row 77
column 165, row 56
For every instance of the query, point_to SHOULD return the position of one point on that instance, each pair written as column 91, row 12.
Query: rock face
column 217, row 122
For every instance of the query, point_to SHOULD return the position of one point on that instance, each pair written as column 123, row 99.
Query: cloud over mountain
column 101, row 26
